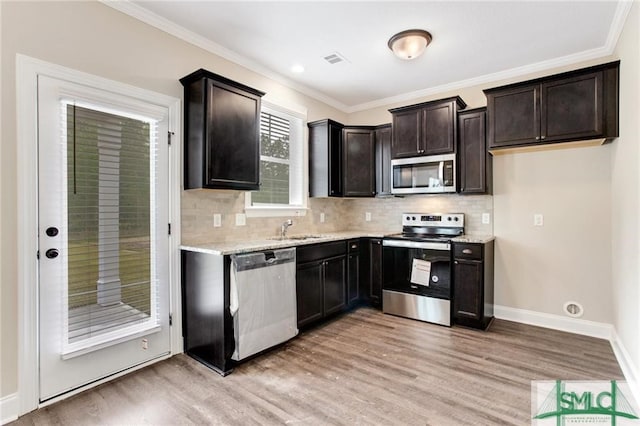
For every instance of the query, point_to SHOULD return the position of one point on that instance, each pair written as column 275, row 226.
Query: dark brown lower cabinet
column 473, row 284
column 371, row 272
column 353, row 273
column 321, row 280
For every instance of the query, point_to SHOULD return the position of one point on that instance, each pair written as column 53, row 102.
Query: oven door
column 420, row 268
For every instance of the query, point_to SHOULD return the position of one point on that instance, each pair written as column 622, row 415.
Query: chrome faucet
column 284, row 227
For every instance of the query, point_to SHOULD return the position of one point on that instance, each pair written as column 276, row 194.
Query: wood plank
column 363, row 367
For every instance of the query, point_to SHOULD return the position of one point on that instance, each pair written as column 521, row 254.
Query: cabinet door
column 383, row 160
column 353, row 279
column 406, row 133
column 473, row 153
column 467, row 290
column 335, row 160
column 375, row 271
column 358, row 158
column 572, row 108
column 438, row 124
column 309, row 292
column 514, row 116
column 233, row 138
column 334, row 284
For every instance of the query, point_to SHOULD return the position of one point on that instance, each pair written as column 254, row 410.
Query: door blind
column 110, row 160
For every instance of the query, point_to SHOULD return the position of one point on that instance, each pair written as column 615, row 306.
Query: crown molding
column 148, row 17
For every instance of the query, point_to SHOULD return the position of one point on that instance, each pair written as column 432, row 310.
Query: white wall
column 625, row 195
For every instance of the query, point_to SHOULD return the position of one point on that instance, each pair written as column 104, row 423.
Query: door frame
column 27, row 71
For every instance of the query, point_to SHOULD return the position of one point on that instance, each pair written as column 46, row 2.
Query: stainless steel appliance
column 416, row 267
column 424, row 175
column 262, row 300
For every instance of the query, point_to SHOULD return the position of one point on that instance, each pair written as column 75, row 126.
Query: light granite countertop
column 236, row 247
column 477, row 239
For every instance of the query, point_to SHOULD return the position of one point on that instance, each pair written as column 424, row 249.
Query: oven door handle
column 417, row 244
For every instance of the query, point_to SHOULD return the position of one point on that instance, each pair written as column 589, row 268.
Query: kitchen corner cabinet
column 574, row 106
column 425, row 129
column 383, row 159
column 341, row 160
column 321, row 274
column 474, row 161
column 222, row 133
column 371, row 276
column 473, row 284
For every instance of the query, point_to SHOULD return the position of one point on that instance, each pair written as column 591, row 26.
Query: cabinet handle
column 456, row 262
column 537, row 138
column 354, row 246
column 467, row 251
column 542, row 137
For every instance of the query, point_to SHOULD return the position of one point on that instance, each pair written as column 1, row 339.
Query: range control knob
column 449, row 218
column 413, row 218
column 456, row 219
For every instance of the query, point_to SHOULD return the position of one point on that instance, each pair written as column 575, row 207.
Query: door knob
column 52, row 231
column 52, row 253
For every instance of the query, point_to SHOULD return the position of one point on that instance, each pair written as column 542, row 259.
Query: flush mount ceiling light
column 409, row 44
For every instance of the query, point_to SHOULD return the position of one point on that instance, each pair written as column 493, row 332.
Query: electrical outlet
column 145, row 344
column 486, row 218
column 367, row 216
column 322, row 217
column 241, row 219
column 217, row 220
column 538, row 219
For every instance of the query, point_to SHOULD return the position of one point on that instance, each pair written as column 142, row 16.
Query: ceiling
column 473, row 41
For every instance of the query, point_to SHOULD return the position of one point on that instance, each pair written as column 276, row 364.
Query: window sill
column 267, row 211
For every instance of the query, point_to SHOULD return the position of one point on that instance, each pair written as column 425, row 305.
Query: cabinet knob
column 542, row 137
column 455, row 261
column 537, row 138
column 467, row 251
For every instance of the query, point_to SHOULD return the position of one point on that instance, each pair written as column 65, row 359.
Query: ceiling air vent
column 335, row 58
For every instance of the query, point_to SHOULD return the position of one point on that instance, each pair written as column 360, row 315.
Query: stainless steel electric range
column 417, row 267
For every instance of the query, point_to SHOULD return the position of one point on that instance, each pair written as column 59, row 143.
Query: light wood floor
column 362, row 368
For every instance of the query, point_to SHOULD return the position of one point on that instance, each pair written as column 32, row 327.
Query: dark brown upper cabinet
column 359, row 162
column 341, row 160
column 574, row 106
column 325, row 158
column 425, row 129
column 222, row 133
column 474, row 161
column 383, row 159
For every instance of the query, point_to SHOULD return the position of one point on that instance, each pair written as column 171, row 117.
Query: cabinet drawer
column 353, row 246
column 467, row 251
column 313, row 252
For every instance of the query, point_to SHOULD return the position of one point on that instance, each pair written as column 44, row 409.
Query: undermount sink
column 297, row 237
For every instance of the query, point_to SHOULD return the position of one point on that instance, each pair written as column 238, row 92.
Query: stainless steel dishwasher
column 263, row 300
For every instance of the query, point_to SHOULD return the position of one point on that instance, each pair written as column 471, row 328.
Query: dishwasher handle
column 263, row 259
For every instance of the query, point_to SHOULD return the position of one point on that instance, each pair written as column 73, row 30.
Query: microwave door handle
column 441, row 172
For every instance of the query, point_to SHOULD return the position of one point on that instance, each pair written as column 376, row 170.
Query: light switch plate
column 322, row 218
column 486, row 218
column 367, row 216
column 538, row 219
column 217, row 220
column 241, row 219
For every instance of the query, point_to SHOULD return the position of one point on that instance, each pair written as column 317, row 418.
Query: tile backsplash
column 199, row 206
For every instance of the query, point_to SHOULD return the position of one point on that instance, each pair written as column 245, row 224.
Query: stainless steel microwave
column 424, row 175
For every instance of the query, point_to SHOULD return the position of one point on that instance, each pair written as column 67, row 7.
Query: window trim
column 281, row 210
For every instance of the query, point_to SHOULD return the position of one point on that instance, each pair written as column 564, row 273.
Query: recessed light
column 297, row 68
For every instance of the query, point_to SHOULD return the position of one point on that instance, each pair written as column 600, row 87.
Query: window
column 282, row 179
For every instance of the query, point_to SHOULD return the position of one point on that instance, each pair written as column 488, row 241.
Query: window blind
column 275, row 135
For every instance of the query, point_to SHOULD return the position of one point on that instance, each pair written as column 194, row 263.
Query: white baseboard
column 557, row 322
column 8, row 408
column 628, row 366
